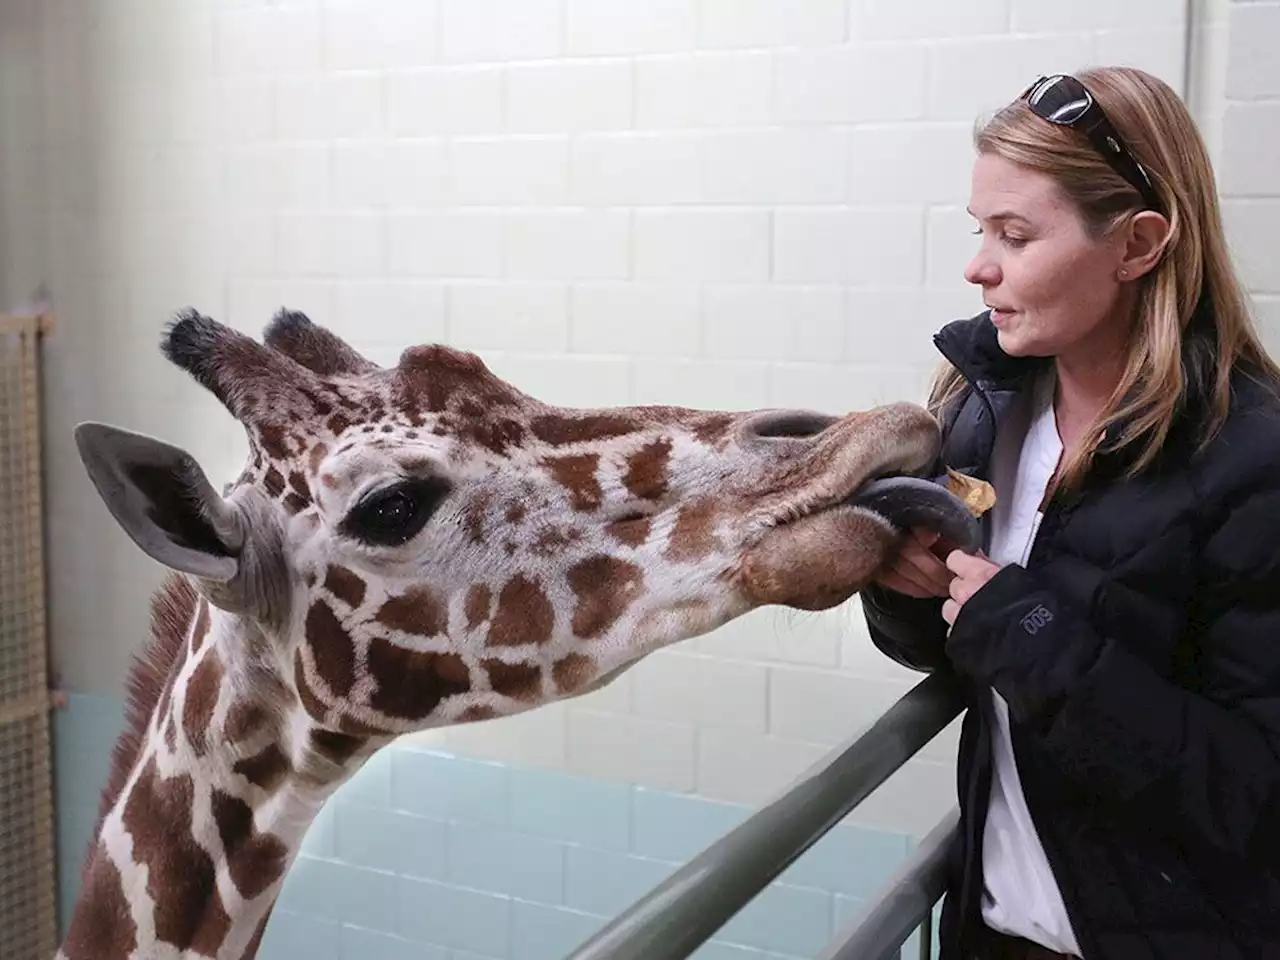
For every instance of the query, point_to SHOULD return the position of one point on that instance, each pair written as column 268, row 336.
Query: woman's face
column 1053, row 289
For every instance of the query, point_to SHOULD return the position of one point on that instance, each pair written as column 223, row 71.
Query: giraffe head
column 426, row 544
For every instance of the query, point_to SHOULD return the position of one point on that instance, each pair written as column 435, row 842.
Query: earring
column 1124, row 273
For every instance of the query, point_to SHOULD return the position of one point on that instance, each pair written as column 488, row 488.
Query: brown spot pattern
column 476, row 714
column 254, row 859
column 272, row 437
column 274, row 482
column 244, row 719
column 417, row 611
column 632, row 532
column 201, row 629
column 572, row 672
column 693, row 536
column 550, row 541
column 354, row 725
column 295, row 504
column 604, row 587
column 495, row 435
column 646, row 475
column 577, row 474
column 298, row 484
column 200, row 701
column 712, row 426
column 520, row 681
column 265, row 769
column 335, row 746
column 411, row 684
column 335, row 657
column 317, row 455
column 477, row 606
column 166, row 694
column 524, row 614
column 560, row 431
column 101, row 927
column 516, row 512
column 189, row 912
column 430, row 376
column 310, row 702
column 473, row 517
column 345, row 585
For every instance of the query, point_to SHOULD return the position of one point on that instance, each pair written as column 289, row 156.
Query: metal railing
column 680, row 914
column 905, row 903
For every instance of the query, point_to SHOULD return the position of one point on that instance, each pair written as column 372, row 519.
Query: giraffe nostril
column 790, row 424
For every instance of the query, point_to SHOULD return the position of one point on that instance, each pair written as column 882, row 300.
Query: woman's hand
column 917, row 570
column 971, row 571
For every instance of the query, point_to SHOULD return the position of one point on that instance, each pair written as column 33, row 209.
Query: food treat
column 977, row 495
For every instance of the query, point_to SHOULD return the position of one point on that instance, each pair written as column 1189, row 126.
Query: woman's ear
column 1145, row 238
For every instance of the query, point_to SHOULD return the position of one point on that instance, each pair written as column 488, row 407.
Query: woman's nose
column 982, row 270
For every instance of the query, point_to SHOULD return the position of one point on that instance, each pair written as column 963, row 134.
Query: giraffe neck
column 230, row 773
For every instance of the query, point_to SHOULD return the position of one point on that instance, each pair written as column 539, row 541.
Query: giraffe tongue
column 914, row 502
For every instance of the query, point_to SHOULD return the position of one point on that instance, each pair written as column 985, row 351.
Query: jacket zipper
column 980, row 789
column 980, row 781
column 1064, row 878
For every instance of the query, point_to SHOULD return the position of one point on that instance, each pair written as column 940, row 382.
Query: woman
column 1119, row 767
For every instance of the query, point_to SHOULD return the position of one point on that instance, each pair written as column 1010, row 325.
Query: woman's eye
column 389, row 518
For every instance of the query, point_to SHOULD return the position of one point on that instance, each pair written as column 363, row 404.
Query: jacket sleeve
column 1204, row 764
column 906, row 629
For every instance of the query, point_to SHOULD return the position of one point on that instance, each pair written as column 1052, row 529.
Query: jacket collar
column 973, row 347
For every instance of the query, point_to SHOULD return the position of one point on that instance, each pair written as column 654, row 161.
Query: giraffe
column 420, row 545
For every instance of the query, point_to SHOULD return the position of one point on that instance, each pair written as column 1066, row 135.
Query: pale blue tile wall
column 434, row 857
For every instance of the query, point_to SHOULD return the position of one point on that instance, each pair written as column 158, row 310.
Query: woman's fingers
column 926, row 569
column 900, row 582
column 916, row 570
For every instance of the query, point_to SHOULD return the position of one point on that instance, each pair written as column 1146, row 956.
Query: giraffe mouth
column 910, row 501
column 819, row 558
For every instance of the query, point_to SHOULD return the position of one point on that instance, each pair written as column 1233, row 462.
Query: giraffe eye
column 395, row 515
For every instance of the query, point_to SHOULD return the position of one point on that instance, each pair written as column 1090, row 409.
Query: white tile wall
column 718, row 202
column 1249, row 113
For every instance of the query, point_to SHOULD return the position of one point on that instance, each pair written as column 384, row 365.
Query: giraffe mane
column 172, row 608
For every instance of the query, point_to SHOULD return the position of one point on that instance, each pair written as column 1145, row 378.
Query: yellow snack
column 978, row 495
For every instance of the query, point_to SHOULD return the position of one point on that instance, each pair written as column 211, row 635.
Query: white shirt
column 1021, row 897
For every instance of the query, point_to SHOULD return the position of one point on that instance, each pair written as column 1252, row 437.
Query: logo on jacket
column 1037, row 618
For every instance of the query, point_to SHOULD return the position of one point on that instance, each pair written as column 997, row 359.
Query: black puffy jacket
column 1139, row 652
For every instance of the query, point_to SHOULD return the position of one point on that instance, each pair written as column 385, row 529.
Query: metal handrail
column 907, row 898
column 680, row 914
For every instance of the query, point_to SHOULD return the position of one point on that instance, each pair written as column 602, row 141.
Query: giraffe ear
column 164, row 502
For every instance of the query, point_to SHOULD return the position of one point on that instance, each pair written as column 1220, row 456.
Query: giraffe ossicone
column 416, row 546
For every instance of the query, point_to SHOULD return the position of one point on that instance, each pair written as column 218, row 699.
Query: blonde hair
column 1193, row 326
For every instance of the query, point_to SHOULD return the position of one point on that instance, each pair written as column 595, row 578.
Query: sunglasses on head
column 1064, row 100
